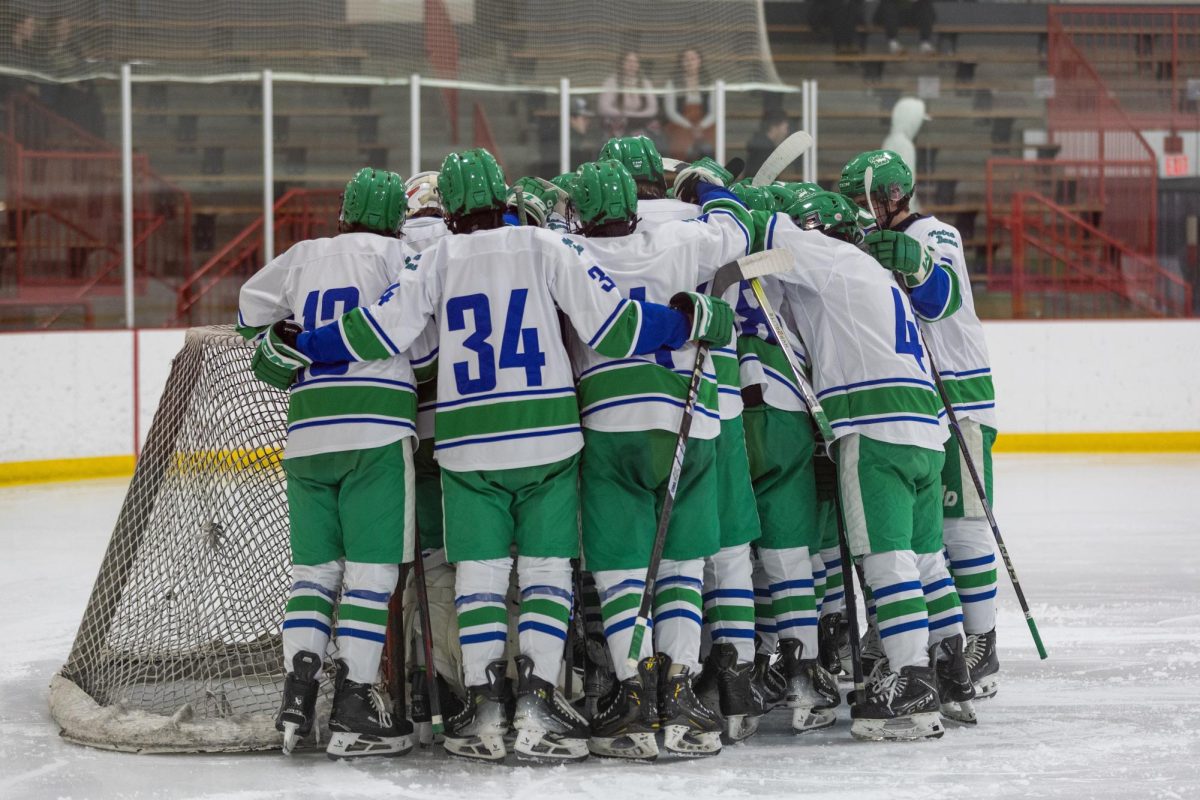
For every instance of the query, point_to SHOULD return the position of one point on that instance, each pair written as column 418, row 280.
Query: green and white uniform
column 871, row 375
column 959, row 349
column 348, row 457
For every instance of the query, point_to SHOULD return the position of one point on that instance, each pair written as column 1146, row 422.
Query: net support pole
column 564, row 125
column 808, row 121
column 414, row 124
column 268, row 148
column 719, row 108
column 127, row 188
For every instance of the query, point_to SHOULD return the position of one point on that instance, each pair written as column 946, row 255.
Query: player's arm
column 933, row 286
column 423, row 354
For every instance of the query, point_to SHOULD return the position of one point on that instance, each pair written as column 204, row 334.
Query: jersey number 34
column 518, row 346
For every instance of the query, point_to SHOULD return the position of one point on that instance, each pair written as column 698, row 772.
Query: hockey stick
column 431, row 682
column 746, row 268
column 788, row 151
column 856, row 667
column 952, row 419
column 522, row 217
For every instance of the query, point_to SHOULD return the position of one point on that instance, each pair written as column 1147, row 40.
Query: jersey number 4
column 908, row 337
column 518, row 346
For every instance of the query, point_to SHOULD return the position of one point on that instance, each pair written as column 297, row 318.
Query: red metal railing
column 211, row 293
column 1146, row 55
column 1062, row 266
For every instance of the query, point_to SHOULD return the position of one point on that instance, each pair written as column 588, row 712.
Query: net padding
column 481, row 41
column 179, row 648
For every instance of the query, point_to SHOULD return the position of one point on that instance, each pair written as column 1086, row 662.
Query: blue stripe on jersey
column 604, row 328
column 965, row 373
column 379, row 331
column 699, row 409
column 852, row 422
column 424, row 359
column 498, row 395
column 384, row 381
column 506, row 437
column 876, row 382
column 398, row 423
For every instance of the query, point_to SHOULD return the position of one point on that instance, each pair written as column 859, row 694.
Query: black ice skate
column 360, row 724
column 548, row 728
column 627, row 717
column 871, row 652
column 812, row 693
column 598, row 677
column 690, row 728
column 900, row 706
column 419, row 708
column 770, row 681
column 983, row 663
column 477, row 730
column 731, row 687
column 833, row 645
column 955, row 688
column 298, row 710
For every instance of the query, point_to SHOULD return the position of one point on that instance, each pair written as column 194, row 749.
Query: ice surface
column 1109, row 554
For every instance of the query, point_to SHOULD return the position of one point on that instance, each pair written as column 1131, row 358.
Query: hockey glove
column 901, row 253
column 279, row 346
column 710, row 318
column 270, row 372
column 704, row 169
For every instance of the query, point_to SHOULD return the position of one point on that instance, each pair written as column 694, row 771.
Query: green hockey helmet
column 538, row 202
column 638, row 154
column 802, row 189
column 829, row 212
column 564, row 181
column 470, row 181
column 603, row 191
column 782, row 195
column 374, row 199
column 891, row 178
column 755, row 198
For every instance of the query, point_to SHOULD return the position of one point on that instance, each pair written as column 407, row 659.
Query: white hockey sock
column 818, row 571
column 764, row 613
column 363, row 617
column 835, row 587
column 790, row 581
column 972, row 552
column 620, row 593
column 546, row 602
column 729, row 600
column 479, row 591
column 899, row 604
column 308, row 616
column 941, row 601
column 678, row 605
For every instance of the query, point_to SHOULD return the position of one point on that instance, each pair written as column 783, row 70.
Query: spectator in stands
column 773, row 129
column 625, row 104
column 892, row 14
column 689, row 109
column 839, row 20
column 583, row 139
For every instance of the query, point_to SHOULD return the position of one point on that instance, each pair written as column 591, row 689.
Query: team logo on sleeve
column 578, row 248
column 945, row 237
column 410, row 262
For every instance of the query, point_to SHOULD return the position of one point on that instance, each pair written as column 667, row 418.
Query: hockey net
column 179, row 648
column 477, row 41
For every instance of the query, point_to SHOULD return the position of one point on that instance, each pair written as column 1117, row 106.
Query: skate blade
column 291, row 737
column 987, row 687
column 912, row 728
column 962, row 713
column 808, row 719
column 630, row 746
column 540, row 746
column 739, row 728
column 681, row 740
column 424, row 733
column 488, row 748
column 358, row 745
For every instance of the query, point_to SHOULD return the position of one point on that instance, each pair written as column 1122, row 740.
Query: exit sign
column 1175, row 166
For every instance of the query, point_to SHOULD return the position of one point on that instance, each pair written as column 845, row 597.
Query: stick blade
column 788, row 151
column 758, row 265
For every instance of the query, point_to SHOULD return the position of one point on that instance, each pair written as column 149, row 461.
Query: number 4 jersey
column 869, row 369
column 343, row 406
column 505, row 390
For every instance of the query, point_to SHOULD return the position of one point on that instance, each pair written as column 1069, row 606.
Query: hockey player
column 507, row 431
column 630, row 412
column 349, row 471
column 645, row 164
column 888, row 444
column 959, row 349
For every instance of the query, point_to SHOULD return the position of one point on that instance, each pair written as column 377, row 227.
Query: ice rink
column 1108, row 548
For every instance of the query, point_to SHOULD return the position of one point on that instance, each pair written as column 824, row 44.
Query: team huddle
column 479, row 372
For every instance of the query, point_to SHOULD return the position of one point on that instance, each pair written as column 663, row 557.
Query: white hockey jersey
column 652, row 213
column 420, row 233
column 505, row 388
column 345, row 406
column 956, row 342
column 869, row 369
column 761, row 361
column 648, row 392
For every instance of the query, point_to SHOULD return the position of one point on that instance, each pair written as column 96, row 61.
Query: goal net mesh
column 499, row 42
column 179, row 647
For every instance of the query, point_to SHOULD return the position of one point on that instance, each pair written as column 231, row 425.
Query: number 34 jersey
column 343, row 406
column 869, row 369
column 505, row 391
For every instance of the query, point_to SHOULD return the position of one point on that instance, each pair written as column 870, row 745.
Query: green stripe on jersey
column 426, row 372
column 726, row 367
column 633, row 380
column 516, row 415
column 978, row 389
column 619, row 340
column 352, row 401
column 882, row 400
column 771, row 355
column 362, row 338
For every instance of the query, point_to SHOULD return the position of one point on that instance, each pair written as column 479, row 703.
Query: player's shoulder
column 933, row 231
column 667, row 209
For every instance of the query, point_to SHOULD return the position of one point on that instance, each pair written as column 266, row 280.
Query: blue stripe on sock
column 478, row 638
column 315, row 587
column 306, row 623
column 679, row 579
column 540, row 627
column 795, row 623
column 628, row 622
column 355, row 633
column 916, row 624
column 977, row 598
column 731, row 633
column 783, row 585
column 907, row 586
column 829, row 598
column 940, row 584
column 553, row 591
column 674, row 613
column 479, row 597
column 374, row 597
column 613, row 591
column 990, row 558
column 941, row 623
